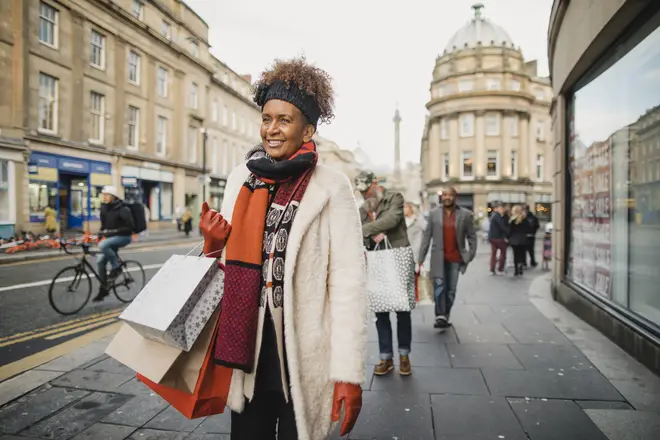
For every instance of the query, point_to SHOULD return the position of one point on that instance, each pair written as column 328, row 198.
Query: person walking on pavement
column 293, row 320
column 186, row 220
column 518, row 232
column 498, row 235
column 50, row 215
column 117, row 227
column 533, row 225
column 455, row 246
column 384, row 224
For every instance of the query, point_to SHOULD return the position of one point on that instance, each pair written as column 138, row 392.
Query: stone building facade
column 121, row 92
column 488, row 128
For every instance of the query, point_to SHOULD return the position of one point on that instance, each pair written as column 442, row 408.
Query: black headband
column 291, row 93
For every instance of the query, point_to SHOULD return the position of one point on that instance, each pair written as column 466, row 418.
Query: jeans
column 403, row 332
column 108, row 253
column 495, row 245
column 267, row 417
column 444, row 289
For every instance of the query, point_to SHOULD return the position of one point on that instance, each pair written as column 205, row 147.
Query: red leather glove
column 351, row 396
column 215, row 230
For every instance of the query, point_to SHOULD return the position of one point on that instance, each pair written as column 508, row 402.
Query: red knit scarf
column 258, row 214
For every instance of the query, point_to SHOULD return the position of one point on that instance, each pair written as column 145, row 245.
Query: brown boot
column 405, row 369
column 384, row 368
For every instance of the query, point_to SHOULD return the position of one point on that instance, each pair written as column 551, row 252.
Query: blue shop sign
column 101, row 167
column 43, row 160
column 129, row 182
column 80, row 166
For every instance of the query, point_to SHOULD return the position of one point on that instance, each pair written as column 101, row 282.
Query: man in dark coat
column 533, row 226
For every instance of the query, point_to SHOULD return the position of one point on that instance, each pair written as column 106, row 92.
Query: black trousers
column 267, row 417
column 531, row 242
column 519, row 254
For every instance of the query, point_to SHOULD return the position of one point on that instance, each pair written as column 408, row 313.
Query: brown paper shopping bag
column 161, row 363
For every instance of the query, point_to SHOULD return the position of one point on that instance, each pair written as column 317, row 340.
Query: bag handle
column 387, row 242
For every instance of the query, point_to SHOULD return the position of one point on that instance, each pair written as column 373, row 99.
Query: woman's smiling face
column 283, row 129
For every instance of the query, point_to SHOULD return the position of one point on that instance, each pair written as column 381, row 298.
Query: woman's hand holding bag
column 215, row 230
column 351, row 396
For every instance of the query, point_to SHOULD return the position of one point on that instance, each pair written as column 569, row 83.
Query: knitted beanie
column 289, row 92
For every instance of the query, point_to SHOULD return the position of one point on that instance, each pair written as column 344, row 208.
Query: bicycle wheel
column 77, row 288
column 130, row 282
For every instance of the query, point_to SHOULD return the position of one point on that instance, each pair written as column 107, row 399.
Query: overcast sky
column 378, row 53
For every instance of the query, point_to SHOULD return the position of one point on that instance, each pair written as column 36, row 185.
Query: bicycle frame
column 83, row 264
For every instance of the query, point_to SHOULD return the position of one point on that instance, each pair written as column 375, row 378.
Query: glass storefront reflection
column 614, row 165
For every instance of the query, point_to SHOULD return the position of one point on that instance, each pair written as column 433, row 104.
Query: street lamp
column 205, row 137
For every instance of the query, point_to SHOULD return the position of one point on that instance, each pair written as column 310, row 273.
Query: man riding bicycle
column 117, row 226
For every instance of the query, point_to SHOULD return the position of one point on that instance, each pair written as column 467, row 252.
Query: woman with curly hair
column 293, row 319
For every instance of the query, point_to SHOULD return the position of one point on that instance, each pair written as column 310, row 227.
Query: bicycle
column 78, row 275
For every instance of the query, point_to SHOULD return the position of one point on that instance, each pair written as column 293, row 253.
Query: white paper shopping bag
column 162, row 308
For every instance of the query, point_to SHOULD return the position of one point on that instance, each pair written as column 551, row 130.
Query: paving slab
column 137, row 411
column 104, row 431
column 155, row 434
column 433, row 381
column 203, row 436
column 569, row 385
column 600, row 404
column 474, row 418
column 483, row 334
column 135, row 388
column 76, row 358
column 482, row 356
column 387, row 415
column 21, row 415
column 627, row 425
column 218, row 424
column 555, row 419
column 552, row 357
column 172, row 420
column 24, row 383
column 92, row 380
column 78, row 417
column 642, row 395
column 541, row 332
column 110, row 365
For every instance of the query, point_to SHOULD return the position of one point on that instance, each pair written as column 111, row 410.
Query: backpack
column 139, row 219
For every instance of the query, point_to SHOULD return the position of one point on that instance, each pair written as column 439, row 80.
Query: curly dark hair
column 310, row 79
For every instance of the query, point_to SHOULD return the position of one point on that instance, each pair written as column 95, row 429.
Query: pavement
column 515, row 366
column 144, row 240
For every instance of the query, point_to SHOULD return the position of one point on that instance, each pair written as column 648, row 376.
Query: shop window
column 4, row 191
column 166, row 199
column 42, row 194
column 613, row 134
column 95, row 201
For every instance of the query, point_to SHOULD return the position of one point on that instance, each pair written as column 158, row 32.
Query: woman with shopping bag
column 293, row 316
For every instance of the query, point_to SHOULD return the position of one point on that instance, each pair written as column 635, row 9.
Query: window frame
column 491, row 81
column 471, row 117
column 133, row 127
column 495, row 176
column 464, row 155
column 215, row 110
column 445, row 166
column 165, row 80
column 514, row 164
column 166, row 29
column 488, row 120
column 100, row 113
column 539, row 169
column 539, row 130
column 517, row 83
column 514, row 125
column 462, row 82
column 193, row 134
column 55, row 22
column 139, row 13
column 138, row 67
column 193, row 98
column 444, row 129
column 161, row 135
column 101, row 48
column 54, row 100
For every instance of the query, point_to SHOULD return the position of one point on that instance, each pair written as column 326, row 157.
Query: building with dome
column 488, row 128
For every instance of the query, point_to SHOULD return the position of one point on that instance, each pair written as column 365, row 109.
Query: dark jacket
column 499, row 227
column 389, row 221
column 533, row 224
column 518, row 233
column 116, row 218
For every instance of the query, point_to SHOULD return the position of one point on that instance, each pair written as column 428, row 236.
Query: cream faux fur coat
column 325, row 303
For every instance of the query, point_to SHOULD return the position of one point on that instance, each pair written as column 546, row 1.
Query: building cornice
column 479, row 111
column 234, row 93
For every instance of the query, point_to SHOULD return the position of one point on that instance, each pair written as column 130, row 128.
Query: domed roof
column 479, row 30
